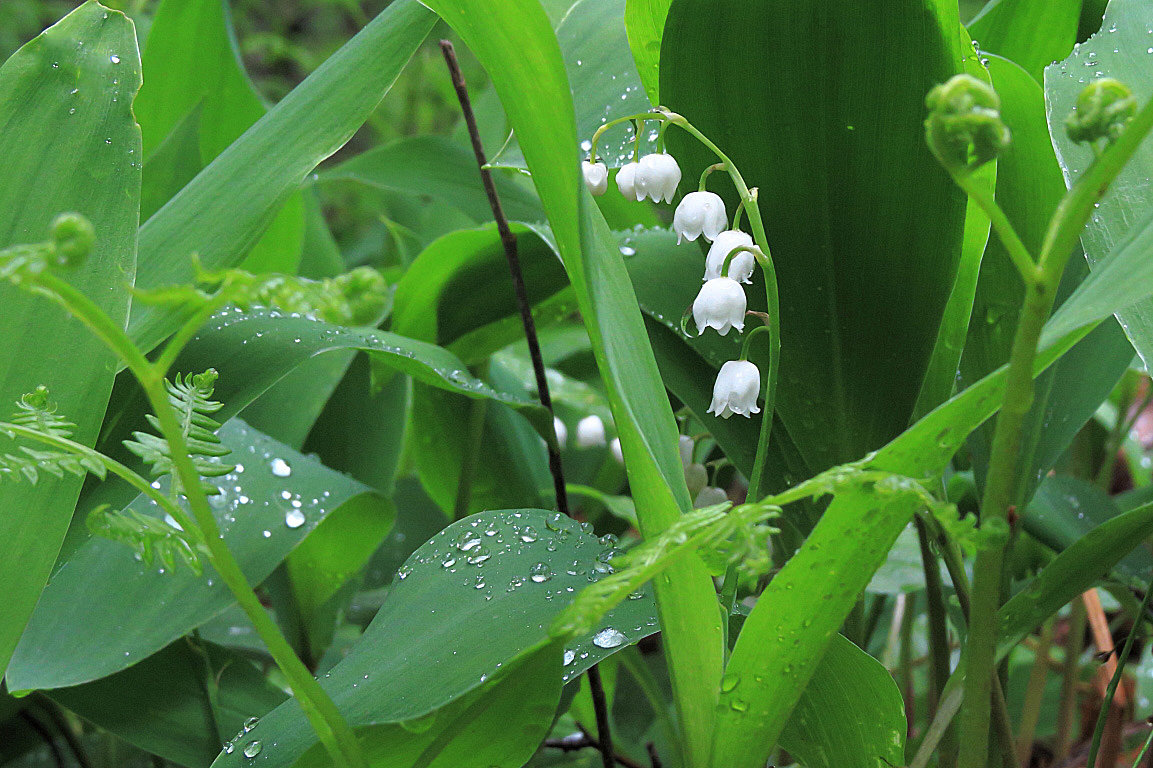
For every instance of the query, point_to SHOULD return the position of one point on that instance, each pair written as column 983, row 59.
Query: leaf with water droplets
column 103, row 610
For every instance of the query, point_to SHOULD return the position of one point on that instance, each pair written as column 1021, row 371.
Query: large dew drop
column 608, row 638
column 252, row 748
column 294, row 518
column 280, row 467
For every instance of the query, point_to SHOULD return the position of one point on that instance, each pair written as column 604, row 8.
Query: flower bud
column 596, row 177
column 700, row 213
column 741, row 267
column 561, row 431
column 696, row 478
column 72, row 238
column 685, row 446
column 626, row 180
column 964, row 128
column 590, row 432
column 1102, row 110
column 710, row 496
column 720, row 304
column 736, row 390
column 657, row 177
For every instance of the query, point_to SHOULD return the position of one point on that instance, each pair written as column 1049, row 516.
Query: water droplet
column 739, row 706
column 609, row 540
column 114, row 59
column 280, row 468
column 569, row 657
column 628, row 250
column 252, row 748
column 540, row 573
column 250, row 723
column 608, row 638
column 729, row 682
column 449, row 561
column 479, row 556
column 468, row 541
column 294, row 518
column 528, row 535
column 268, row 534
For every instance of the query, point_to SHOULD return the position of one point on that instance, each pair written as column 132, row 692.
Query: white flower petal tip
column 721, row 305
column 616, row 450
column 736, row 390
column 626, row 180
column 596, row 177
column 590, row 432
column 700, row 213
column 742, row 265
column 657, row 177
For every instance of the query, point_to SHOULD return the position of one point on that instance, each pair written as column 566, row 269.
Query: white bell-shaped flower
column 616, row 450
column 561, row 431
column 685, row 445
column 720, row 304
column 657, row 177
column 590, row 432
column 596, row 177
column 710, row 496
column 696, row 478
column 626, row 180
column 700, row 213
column 738, row 385
column 741, row 267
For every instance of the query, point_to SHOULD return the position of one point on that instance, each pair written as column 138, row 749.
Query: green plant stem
column 1034, row 693
column 938, row 619
column 983, row 196
column 330, row 726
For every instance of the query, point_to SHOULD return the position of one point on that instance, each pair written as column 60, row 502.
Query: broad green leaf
column 223, row 211
column 833, row 137
column 191, row 63
column 645, row 22
column 1032, row 33
column 604, row 80
column 783, row 639
column 1029, row 188
column 868, row 727
column 171, row 164
column 1081, row 565
column 321, row 256
column 1120, row 50
column 104, row 610
column 434, row 167
column 164, row 705
column 69, row 143
column 513, row 42
column 433, row 641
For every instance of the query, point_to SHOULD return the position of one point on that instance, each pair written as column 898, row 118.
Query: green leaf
column 69, row 144
column 1032, row 33
column 163, row 704
column 868, row 727
column 645, row 22
column 171, row 165
column 1119, row 50
column 833, row 137
column 432, row 643
column 513, row 42
column 435, row 167
column 192, row 63
column 223, row 211
column 103, row 610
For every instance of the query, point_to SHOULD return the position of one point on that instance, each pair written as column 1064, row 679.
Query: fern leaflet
column 152, row 538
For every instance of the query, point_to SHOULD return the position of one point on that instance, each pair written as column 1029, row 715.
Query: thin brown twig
column 586, row 741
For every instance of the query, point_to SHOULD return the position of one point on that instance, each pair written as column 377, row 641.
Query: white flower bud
column 626, row 180
column 616, row 450
column 596, row 177
column 741, row 267
column 657, row 177
column 710, row 496
column 590, row 432
column 561, row 431
column 738, row 385
column 700, row 213
column 696, row 478
column 685, row 446
column 721, row 305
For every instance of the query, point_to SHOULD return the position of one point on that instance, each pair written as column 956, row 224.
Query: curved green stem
column 705, row 175
column 983, row 196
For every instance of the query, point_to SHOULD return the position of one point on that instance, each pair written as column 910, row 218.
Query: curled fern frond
column 721, row 534
column 28, row 467
column 36, row 412
column 359, row 297
column 151, row 538
column 190, row 398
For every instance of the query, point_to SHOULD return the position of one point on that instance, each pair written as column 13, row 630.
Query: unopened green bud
column 366, row 292
column 206, row 381
column 37, row 399
column 72, row 239
column 964, row 129
column 1101, row 112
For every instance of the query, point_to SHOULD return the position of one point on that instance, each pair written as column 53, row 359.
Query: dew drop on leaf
column 252, row 748
column 540, row 573
column 280, row 468
column 608, row 638
column 294, row 518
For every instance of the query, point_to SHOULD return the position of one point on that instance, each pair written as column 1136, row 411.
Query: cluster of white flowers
column 721, row 302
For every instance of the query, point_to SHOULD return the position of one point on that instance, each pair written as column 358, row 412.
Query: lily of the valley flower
column 616, row 450
column 700, row 213
column 596, row 177
column 738, row 385
column 657, row 177
column 626, row 180
column 741, row 267
column 720, row 304
column 696, row 478
column 590, row 432
column 561, row 431
column 685, row 446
